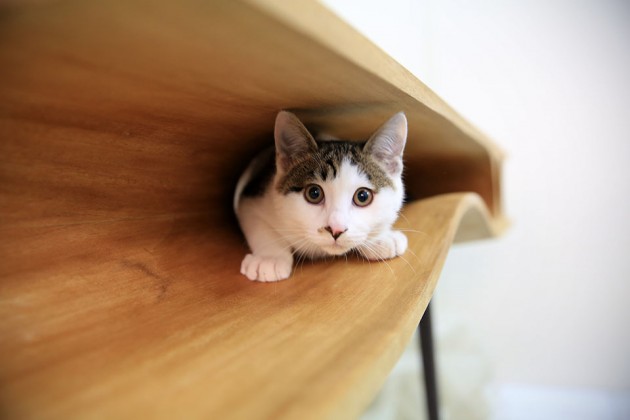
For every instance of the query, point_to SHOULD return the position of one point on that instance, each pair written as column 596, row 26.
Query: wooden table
column 123, row 128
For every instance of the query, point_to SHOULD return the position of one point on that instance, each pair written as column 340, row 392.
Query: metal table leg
column 428, row 363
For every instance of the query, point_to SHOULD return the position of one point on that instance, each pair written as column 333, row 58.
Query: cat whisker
column 404, row 217
column 413, row 253
column 299, row 261
column 370, row 246
column 407, row 261
column 376, row 244
column 277, row 222
column 363, row 256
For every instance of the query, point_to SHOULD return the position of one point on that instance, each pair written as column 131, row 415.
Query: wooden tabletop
column 165, row 325
column 123, row 128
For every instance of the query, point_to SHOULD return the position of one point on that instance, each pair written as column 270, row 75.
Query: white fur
column 277, row 226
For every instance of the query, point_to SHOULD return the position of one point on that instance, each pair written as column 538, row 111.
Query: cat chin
column 335, row 249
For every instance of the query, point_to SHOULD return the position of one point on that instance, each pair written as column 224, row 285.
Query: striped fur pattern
column 321, row 198
column 325, row 162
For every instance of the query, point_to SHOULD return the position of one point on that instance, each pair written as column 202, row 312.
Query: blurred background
column 534, row 325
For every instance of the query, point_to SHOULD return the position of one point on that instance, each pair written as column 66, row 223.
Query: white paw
column 389, row 245
column 255, row 267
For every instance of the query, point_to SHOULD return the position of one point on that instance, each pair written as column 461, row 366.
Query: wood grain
column 123, row 128
column 160, row 328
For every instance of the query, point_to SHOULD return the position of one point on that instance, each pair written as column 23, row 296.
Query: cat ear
column 292, row 139
column 387, row 144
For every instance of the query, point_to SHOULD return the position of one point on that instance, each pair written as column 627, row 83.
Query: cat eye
column 313, row 194
column 363, row 197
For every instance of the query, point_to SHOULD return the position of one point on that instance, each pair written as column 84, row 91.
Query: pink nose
column 335, row 232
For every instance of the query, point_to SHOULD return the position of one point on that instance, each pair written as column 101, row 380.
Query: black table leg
column 428, row 363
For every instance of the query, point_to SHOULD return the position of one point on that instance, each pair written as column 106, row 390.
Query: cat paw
column 387, row 246
column 258, row 268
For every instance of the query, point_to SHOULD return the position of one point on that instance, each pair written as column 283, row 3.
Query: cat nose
column 335, row 232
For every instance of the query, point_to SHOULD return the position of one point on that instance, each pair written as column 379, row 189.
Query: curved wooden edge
column 432, row 226
column 468, row 160
column 340, row 37
column 120, row 294
column 151, row 318
column 478, row 223
column 141, row 108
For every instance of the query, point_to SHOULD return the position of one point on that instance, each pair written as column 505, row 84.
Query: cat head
column 336, row 195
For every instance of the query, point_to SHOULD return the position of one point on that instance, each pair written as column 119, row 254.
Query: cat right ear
column 388, row 142
column 292, row 139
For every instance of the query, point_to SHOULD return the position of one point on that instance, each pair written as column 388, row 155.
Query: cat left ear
column 387, row 144
column 292, row 139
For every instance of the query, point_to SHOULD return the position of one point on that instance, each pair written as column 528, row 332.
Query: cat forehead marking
column 325, row 163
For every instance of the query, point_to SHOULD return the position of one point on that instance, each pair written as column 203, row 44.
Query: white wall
column 550, row 81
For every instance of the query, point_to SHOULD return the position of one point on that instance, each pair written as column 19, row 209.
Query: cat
column 318, row 198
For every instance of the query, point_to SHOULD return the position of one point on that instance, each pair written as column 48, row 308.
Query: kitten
column 317, row 198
